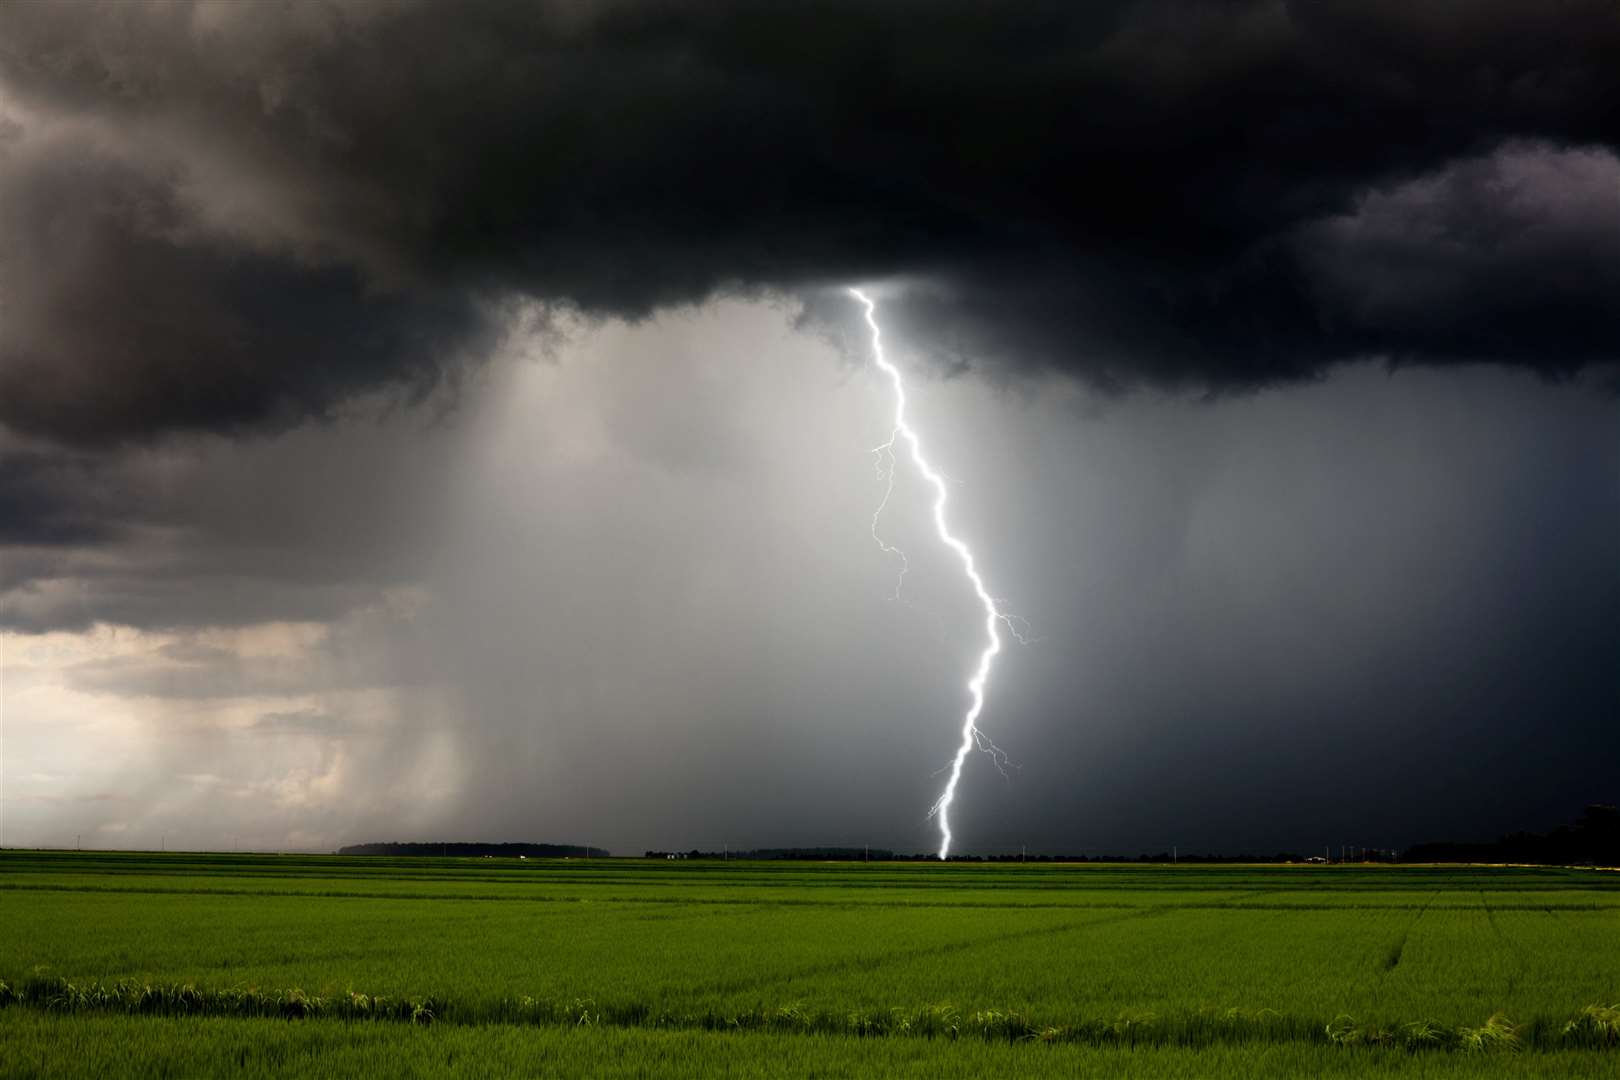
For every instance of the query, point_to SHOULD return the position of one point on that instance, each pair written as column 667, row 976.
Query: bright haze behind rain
column 446, row 421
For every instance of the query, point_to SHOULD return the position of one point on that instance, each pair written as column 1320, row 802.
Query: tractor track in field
column 1392, row 959
column 872, row 963
column 1520, row 961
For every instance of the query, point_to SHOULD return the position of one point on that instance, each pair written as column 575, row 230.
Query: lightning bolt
column 994, row 618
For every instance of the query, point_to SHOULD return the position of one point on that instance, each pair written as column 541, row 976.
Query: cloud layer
column 220, row 216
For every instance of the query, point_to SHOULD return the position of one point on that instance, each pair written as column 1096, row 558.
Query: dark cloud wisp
column 218, row 217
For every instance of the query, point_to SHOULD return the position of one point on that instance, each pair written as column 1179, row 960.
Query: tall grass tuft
column 1595, row 1025
column 1344, row 1030
column 1424, row 1035
column 55, row 994
column 1498, row 1034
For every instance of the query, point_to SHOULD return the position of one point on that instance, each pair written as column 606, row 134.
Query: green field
column 255, row 965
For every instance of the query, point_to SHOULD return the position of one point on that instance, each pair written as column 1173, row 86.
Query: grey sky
column 627, row 594
column 445, row 420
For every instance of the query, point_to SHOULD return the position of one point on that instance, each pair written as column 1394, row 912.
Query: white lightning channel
column 972, row 737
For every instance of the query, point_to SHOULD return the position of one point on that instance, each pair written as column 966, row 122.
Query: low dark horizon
column 450, row 419
column 1592, row 839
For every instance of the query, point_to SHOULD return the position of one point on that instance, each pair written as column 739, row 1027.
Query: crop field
column 180, row 964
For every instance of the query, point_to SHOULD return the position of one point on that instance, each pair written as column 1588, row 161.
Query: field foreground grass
column 49, row 1047
column 407, row 966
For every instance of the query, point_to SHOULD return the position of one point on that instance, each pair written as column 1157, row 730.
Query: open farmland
column 191, row 963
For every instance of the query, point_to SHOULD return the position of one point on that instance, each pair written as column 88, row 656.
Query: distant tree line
column 477, row 851
column 1594, row 840
column 844, row 854
column 809, row 854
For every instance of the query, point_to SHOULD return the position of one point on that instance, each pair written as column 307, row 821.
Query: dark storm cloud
column 229, row 215
column 218, row 532
column 1486, row 254
column 53, row 499
column 124, row 320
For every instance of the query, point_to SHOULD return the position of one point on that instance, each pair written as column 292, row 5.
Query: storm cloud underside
column 225, row 215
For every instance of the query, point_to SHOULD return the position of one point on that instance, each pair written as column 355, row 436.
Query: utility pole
column 1175, row 855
